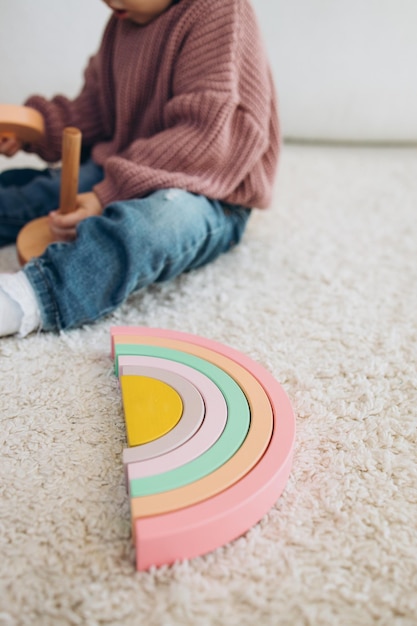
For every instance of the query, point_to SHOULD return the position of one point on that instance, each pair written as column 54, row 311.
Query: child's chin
column 121, row 15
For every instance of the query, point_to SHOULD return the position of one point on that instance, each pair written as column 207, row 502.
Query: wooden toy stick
column 36, row 236
column 71, row 149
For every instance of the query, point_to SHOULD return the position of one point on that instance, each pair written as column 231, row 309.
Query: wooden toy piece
column 21, row 122
column 71, row 150
column 233, row 455
column 210, row 457
column 214, row 403
column 36, row 236
column 168, row 526
column 191, row 418
column 151, row 407
column 213, row 522
column 195, row 447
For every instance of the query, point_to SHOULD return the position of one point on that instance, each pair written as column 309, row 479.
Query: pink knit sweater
column 186, row 101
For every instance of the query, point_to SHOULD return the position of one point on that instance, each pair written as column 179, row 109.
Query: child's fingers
column 9, row 146
column 64, row 226
column 64, row 234
column 66, row 220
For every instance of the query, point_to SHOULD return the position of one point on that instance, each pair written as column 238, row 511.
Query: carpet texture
column 322, row 292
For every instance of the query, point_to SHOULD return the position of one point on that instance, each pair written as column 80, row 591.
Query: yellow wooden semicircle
column 151, row 407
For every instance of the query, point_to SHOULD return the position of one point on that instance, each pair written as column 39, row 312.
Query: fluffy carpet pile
column 322, row 292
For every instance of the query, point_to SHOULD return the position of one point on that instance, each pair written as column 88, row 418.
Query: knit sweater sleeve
column 216, row 125
column 85, row 111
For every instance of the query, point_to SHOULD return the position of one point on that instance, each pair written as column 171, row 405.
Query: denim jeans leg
column 131, row 245
column 26, row 194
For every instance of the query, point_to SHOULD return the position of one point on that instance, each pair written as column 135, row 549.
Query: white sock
column 10, row 315
column 19, row 311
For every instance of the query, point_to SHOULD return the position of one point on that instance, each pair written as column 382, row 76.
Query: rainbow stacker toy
column 210, row 435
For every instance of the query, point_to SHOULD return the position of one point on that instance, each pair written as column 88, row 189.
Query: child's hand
column 9, row 145
column 64, row 226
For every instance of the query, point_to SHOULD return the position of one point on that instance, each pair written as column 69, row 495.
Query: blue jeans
column 134, row 243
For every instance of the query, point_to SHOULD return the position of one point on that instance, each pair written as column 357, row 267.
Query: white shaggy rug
column 323, row 293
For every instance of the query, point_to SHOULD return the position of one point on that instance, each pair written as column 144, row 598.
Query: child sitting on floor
column 180, row 141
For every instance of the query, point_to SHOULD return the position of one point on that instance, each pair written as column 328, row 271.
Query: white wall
column 44, row 45
column 345, row 69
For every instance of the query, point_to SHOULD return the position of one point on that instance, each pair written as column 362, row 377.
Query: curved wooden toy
column 21, row 122
column 36, row 236
column 178, row 511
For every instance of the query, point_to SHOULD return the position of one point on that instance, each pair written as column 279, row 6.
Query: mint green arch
column 232, row 437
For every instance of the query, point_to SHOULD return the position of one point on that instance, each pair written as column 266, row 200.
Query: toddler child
column 180, row 141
